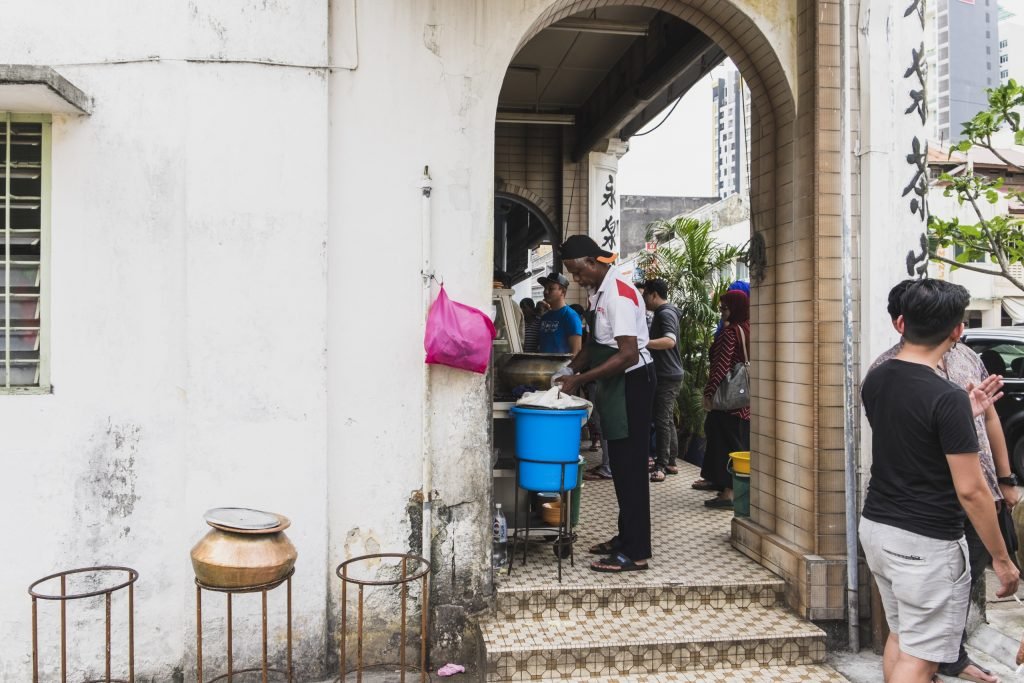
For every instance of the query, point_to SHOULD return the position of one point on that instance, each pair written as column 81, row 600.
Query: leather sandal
column 616, row 564
column 606, row 548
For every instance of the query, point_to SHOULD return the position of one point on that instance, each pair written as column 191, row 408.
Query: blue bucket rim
column 539, row 411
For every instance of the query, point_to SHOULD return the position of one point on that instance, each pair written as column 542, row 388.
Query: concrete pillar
column 603, row 204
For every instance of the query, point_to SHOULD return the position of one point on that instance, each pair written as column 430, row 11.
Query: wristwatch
column 1009, row 480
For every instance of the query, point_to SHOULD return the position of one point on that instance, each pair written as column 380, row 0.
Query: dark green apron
column 610, row 400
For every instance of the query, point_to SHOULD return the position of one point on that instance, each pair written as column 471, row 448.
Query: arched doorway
column 795, row 518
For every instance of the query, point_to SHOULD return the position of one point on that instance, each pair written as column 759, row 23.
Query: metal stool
column 565, row 536
column 419, row 571
column 131, row 576
column 264, row 667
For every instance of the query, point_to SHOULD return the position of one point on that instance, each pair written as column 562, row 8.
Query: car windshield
column 1000, row 357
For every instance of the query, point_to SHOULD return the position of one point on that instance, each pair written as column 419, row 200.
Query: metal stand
column 420, row 571
column 264, row 667
column 565, row 536
column 131, row 576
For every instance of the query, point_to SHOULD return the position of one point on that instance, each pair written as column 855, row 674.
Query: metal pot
column 243, row 558
column 531, row 369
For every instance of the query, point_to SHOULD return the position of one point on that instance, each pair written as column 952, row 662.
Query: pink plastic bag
column 458, row 335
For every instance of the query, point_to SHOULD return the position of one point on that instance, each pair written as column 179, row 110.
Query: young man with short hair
column 925, row 475
column 961, row 366
column 668, row 367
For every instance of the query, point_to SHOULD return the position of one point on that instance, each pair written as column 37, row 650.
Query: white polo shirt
column 619, row 311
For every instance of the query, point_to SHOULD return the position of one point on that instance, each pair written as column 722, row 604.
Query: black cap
column 581, row 246
column 554, row 279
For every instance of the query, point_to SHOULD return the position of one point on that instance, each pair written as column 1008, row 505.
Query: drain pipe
column 427, row 273
column 849, row 384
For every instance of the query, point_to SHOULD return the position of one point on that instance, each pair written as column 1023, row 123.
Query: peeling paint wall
column 188, row 319
column 237, row 303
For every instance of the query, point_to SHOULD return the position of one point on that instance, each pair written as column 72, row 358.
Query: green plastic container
column 577, row 492
column 741, row 495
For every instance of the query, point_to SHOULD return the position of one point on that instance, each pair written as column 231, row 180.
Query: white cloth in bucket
column 554, row 399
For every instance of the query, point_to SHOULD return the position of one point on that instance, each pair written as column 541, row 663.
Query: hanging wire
column 648, row 132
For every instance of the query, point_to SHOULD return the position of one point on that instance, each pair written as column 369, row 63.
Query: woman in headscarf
column 726, row 432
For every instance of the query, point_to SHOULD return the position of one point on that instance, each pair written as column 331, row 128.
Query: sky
column 675, row 159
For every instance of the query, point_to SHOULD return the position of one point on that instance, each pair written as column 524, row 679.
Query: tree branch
column 977, row 269
column 1009, row 164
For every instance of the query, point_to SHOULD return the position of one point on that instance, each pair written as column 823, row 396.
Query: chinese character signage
column 604, row 201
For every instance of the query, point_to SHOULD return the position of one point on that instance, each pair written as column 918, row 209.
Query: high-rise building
column 962, row 55
column 1011, row 44
column 731, row 150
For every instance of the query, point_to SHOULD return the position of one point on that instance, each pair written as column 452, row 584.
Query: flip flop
column 606, row 548
column 596, row 476
column 719, row 504
column 616, row 564
column 963, row 675
column 657, row 475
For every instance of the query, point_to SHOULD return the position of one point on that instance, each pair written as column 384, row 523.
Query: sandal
column 657, row 475
column 606, row 548
column 963, row 675
column 594, row 475
column 616, row 564
column 718, row 504
column 593, row 448
column 671, row 469
column 703, row 486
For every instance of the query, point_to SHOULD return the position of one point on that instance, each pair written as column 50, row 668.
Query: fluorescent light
column 536, row 118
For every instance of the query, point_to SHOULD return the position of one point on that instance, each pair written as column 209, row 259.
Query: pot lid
column 241, row 518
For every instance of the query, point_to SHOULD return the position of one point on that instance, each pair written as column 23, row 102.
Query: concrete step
column 688, row 640
column 585, row 602
column 786, row 674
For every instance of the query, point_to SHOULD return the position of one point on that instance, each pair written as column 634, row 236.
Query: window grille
column 24, row 250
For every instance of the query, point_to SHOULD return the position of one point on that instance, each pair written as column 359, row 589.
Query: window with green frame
column 24, row 240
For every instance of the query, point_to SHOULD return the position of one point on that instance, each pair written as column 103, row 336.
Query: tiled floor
column 702, row 612
column 690, row 542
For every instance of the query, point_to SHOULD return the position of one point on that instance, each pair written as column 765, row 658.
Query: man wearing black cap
column 561, row 330
column 617, row 357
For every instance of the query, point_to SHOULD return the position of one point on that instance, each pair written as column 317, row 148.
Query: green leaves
column 996, row 239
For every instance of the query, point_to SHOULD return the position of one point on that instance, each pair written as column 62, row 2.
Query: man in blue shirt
column 561, row 330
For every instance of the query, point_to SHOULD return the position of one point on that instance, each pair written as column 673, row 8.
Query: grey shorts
column 925, row 584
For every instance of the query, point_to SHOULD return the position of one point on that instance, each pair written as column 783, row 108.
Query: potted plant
column 696, row 268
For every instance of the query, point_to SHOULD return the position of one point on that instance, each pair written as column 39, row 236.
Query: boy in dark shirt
column 925, row 475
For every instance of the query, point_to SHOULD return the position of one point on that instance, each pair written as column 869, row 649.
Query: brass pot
column 532, row 369
column 234, row 558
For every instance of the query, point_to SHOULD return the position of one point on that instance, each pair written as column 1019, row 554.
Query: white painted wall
column 188, row 317
column 237, row 311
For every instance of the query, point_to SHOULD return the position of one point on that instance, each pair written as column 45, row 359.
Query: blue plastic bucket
column 545, row 439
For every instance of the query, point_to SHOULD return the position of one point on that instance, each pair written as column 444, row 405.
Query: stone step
column 783, row 674
column 623, row 645
column 586, row 602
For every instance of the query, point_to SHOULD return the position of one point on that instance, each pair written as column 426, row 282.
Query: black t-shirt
column 666, row 361
column 917, row 419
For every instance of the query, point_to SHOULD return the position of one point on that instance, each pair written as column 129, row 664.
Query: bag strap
column 743, row 345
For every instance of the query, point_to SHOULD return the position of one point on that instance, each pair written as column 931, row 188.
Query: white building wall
column 188, row 315
column 202, row 354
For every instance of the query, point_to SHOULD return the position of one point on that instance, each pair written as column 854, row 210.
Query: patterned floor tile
column 690, row 542
column 793, row 674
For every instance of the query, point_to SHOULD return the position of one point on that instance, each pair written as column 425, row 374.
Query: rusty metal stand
column 420, row 571
column 264, row 667
column 131, row 576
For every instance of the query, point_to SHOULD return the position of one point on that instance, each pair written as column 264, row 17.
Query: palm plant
column 693, row 263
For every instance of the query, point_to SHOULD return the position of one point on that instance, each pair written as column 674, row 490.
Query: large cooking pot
column 239, row 554
column 530, row 369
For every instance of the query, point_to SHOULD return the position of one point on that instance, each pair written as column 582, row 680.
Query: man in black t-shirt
column 664, row 348
column 925, row 474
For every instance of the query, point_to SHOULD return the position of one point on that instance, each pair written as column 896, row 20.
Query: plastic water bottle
column 499, row 535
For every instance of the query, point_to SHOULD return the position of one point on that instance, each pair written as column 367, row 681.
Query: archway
column 793, row 241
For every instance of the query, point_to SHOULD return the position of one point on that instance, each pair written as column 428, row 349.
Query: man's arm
column 1000, row 455
column 627, row 356
column 661, row 343
column 575, row 343
column 977, row 502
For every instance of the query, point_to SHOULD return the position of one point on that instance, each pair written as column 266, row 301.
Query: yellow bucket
column 740, row 462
